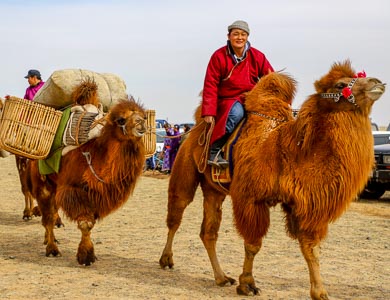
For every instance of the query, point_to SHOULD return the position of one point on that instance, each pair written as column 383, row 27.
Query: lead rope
column 89, row 161
column 204, row 139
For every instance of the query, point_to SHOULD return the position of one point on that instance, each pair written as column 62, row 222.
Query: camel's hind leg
column 182, row 187
column 22, row 166
column 49, row 213
column 212, row 216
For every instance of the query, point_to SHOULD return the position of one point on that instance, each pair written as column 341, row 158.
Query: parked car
column 160, row 133
column 160, row 123
column 379, row 182
column 374, row 126
column 381, row 137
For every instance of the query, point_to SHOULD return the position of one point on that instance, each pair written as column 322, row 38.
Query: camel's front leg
column 311, row 251
column 85, row 252
column 182, row 186
column 247, row 284
column 176, row 207
column 212, row 216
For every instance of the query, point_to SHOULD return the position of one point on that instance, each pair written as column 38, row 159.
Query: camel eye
column 121, row 121
column 340, row 85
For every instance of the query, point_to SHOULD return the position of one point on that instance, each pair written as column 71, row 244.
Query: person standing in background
column 175, row 143
column 166, row 167
column 35, row 83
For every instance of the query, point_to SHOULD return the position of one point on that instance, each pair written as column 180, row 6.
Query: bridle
column 347, row 91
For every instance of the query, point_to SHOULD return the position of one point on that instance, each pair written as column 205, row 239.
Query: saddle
column 225, row 175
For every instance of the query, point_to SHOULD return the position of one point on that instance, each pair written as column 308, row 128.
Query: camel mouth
column 378, row 88
column 139, row 133
column 377, row 91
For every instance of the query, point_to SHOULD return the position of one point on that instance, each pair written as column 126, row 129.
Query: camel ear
column 318, row 86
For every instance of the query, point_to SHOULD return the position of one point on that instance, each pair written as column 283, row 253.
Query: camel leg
column 22, row 166
column 310, row 247
column 48, row 221
column 44, row 191
column 85, row 252
column 212, row 216
column 28, row 206
column 182, row 187
column 252, row 221
column 247, row 284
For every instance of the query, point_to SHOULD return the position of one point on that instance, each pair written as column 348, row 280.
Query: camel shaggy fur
column 95, row 179
column 314, row 166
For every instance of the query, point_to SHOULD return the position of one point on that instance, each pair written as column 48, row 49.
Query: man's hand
column 208, row 119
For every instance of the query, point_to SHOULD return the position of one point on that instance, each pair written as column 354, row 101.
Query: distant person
column 166, row 166
column 35, row 83
column 175, row 143
column 232, row 70
column 186, row 129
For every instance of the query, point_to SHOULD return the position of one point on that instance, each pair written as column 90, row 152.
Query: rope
column 89, row 161
column 179, row 135
column 204, row 139
column 220, row 184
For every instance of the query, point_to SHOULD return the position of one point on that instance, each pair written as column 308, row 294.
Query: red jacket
column 226, row 80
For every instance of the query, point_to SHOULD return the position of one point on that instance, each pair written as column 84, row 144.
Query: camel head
column 275, row 85
column 342, row 89
column 126, row 120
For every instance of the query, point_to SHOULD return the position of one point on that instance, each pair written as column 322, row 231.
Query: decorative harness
column 266, row 117
column 347, row 91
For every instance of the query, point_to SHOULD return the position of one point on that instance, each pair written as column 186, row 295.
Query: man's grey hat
column 32, row 73
column 239, row 25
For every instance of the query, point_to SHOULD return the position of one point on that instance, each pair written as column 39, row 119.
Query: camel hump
column 86, row 92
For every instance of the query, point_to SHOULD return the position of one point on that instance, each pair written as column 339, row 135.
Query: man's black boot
column 216, row 158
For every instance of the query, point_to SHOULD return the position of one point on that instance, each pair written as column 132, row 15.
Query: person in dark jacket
column 232, row 70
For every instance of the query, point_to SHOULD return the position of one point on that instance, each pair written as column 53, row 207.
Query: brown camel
column 85, row 93
column 267, row 106
column 94, row 179
column 314, row 166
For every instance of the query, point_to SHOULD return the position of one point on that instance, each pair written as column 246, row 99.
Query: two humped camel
column 314, row 166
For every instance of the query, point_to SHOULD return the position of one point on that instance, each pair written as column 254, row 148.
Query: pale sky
column 161, row 48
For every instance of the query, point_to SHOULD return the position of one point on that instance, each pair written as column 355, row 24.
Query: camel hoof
column 36, row 212
column 52, row 250
column 321, row 296
column 86, row 257
column 228, row 281
column 166, row 261
column 247, row 290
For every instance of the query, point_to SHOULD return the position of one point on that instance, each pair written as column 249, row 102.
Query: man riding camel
column 232, row 70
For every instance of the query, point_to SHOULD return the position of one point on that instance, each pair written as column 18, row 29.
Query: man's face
column 238, row 38
column 32, row 80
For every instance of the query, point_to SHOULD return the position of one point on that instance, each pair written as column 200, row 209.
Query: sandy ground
column 355, row 256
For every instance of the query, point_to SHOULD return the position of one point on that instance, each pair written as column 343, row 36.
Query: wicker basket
column 28, row 128
column 150, row 136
